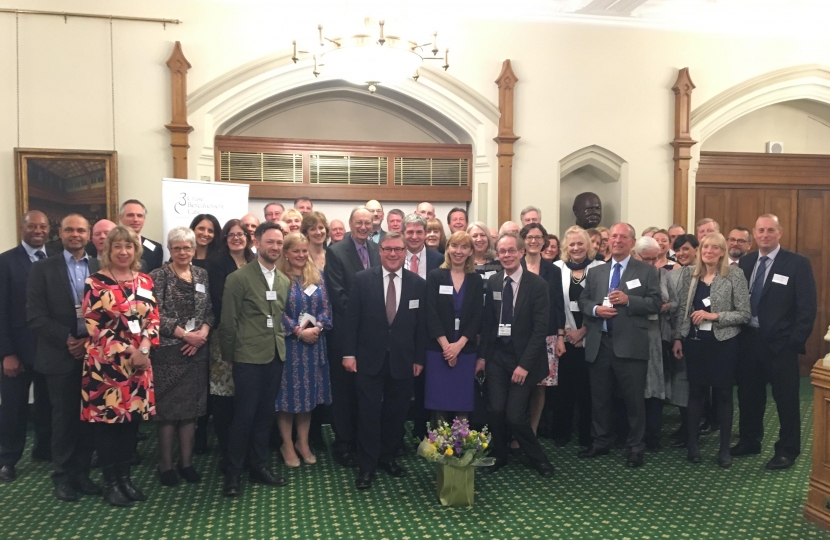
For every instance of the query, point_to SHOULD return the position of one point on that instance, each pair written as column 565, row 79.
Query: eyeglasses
column 236, row 235
column 533, row 238
column 181, row 249
column 510, row 251
column 649, row 259
column 737, row 241
column 397, row 250
column 363, row 223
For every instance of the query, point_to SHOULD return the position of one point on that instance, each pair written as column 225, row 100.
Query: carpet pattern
column 667, row 498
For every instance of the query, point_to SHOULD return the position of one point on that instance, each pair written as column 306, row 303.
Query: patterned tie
column 615, row 284
column 40, row 255
column 413, row 264
column 507, row 305
column 758, row 285
column 364, row 257
column 390, row 299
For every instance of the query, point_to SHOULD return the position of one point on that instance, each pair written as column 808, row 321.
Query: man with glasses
column 513, row 346
column 377, row 221
column 738, row 243
column 384, row 351
column 343, row 261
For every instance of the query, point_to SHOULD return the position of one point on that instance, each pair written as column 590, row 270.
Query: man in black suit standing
column 617, row 299
column 782, row 299
column 54, row 298
column 18, row 344
column 385, row 347
column 421, row 261
column 343, row 261
column 133, row 214
column 513, row 346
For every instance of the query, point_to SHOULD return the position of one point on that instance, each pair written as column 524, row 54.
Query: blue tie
column 758, row 285
column 507, row 305
column 615, row 284
column 40, row 255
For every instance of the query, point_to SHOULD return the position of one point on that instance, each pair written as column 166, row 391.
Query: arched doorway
column 598, row 170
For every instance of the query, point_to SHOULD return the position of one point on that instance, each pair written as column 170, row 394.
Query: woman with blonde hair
column 436, row 238
column 293, row 219
column 117, row 388
column 604, row 246
column 484, row 251
column 305, row 377
column 315, row 227
column 454, row 309
column 713, row 304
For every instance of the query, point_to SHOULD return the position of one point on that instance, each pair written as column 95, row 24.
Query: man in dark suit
column 18, row 344
column 782, row 298
column 421, row 261
column 54, row 298
column 384, row 346
column 516, row 311
column 617, row 299
column 133, row 214
column 376, row 209
column 343, row 261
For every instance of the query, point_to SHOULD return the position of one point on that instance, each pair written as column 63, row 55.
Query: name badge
column 497, row 295
column 705, row 326
column 144, row 293
column 79, row 312
column 190, row 326
column 707, row 302
column 633, row 284
column 269, row 322
column 445, row 289
column 458, row 324
column 504, row 330
column 311, row 289
column 487, row 275
column 200, row 287
column 653, row 317
column 270, row 295
column 134, row 326
column 782, row 280
column 606, row 302
column 574, row 306
column 414, row 304
column 149, row 245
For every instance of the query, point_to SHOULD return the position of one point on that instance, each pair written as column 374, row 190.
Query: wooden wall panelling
column 814, row 243
column 505, row 139
column 178, row 126
column 682, row 144
column 784, row 204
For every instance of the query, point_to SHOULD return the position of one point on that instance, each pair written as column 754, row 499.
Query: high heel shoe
column 293, row 463
column 310, row 459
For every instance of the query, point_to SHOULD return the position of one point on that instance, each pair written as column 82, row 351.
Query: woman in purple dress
column 454, row 308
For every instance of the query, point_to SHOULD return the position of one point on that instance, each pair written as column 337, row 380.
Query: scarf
column 579, row 266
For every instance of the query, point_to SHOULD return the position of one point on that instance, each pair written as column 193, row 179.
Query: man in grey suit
column 617, row 299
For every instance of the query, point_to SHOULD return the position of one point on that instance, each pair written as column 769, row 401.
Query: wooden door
column 740, row 206
column 814, row 243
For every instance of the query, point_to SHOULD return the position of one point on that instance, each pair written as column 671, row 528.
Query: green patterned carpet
column 667, row 498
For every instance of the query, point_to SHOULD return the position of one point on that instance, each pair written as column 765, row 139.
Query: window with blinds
column 260, row 167
column 431, row 171
column 348, row 170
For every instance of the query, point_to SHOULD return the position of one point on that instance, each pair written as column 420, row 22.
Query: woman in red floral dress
column 117, row 381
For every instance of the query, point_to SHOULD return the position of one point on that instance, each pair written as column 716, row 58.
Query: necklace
column 187, row 279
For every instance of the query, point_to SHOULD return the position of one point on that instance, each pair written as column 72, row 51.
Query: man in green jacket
column 252, row 339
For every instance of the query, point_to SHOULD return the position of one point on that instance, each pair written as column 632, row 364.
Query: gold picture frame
column 59, row 182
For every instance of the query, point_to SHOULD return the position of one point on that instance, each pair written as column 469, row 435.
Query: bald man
column 377, row 221
column 100, row 231
column 426, row 210
column 337, row 230
column 509, row 227
column 249, row 222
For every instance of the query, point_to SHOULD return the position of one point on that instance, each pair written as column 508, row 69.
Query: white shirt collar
column 419, row 254
column 387, row 272
column 517, row 275
column 30, row 251
column 772, row 254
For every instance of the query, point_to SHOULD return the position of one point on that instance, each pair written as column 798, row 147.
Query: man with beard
column 738, row 243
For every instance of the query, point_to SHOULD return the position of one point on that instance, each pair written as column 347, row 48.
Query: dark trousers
column 757, row 367
column 383, row 404
column 72, row 440
column 573, row 394
column 257, row 386
column 510, row 409
column 419, row 414
column 14, row 415
column 654, row 417
column 114, row 443
column 630, row 375
column 222, row 409
column 344, row 401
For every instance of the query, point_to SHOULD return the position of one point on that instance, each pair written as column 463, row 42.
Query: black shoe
column 345, row 459
column 168, row 478
column 779, row 463
column 724, row 459
column 693, row 454
column 544, row 469
column 592, row 452
column 85, row 486
column 635, row 459
column 705, row 428
column 189, row 474
column 126, row 484
column 263, row 476
column 490, row 469
column 745, row 449
column 111, row 490
column 363, row 481
column 392, row 468
column 65, row 492
column 7, row 473
column 232, row 487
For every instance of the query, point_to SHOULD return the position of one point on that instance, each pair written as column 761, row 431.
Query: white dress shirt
column 753, row 321
column 386, row 277
column 422, row 261
column 269, row 275
column 30, row 251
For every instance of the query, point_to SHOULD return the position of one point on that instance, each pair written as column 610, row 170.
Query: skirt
column 553, row 364
column 449, row 388
column 181, row 383
column 710, row 362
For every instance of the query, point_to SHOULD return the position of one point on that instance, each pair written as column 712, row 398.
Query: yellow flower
column 448, row 452
column 484, row 445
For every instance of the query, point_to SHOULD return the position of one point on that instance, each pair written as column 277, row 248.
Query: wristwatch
column 144, row 350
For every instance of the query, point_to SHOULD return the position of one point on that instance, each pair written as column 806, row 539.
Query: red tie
column 413, row 264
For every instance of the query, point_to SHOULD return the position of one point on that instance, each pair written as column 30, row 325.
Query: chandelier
column 371, row 58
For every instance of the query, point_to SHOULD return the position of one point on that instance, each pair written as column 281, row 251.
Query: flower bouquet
column 456, row 449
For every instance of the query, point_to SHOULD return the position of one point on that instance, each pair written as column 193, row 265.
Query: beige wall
column 579, row 85
column 801, row 132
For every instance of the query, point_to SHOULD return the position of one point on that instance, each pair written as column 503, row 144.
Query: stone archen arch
column 606, row 165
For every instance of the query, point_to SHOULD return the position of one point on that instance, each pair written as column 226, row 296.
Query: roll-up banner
column 183, row 200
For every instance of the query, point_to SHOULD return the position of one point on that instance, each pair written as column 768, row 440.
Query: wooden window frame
column 388, row 192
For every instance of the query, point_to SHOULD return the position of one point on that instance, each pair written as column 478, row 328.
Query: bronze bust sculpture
column 587, row 210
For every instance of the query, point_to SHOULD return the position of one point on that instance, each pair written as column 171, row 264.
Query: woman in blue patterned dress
column 305, row 376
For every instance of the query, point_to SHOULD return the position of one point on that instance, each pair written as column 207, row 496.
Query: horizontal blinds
column 348, row 170
column 431, row 171
column 261, row 167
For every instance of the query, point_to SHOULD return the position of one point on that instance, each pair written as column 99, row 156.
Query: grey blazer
column 631, row 323
column 730, row 300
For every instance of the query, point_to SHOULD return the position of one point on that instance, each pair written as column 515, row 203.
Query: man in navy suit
column 18, row 345
column 384, row 346
column 782, row 298
column 421, row 261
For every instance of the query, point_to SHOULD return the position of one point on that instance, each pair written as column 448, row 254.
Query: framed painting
column 61, row 182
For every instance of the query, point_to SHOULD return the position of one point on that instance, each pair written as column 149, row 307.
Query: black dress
column 709, row 362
